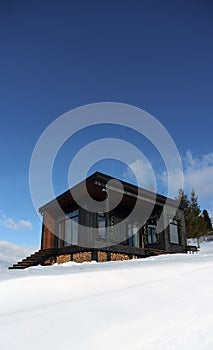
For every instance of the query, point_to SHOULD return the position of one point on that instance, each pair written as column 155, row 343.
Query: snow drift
column 163, row 302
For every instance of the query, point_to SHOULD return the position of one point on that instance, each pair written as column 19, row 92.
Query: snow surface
column 162, row 302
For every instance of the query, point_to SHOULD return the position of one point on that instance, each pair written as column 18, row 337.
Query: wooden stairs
column 35, row 259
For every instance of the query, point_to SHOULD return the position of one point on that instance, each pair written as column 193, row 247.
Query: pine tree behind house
column 195, row 222
column 207, row 220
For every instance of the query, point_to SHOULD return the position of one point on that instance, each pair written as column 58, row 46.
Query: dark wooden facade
column 70, row 232
column 58, row 230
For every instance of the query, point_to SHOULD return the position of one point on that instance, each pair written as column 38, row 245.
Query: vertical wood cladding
column 48, row 231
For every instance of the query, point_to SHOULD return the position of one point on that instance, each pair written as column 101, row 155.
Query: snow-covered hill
column 157, row 303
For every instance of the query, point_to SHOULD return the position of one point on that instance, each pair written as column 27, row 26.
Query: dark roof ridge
column 97, row 175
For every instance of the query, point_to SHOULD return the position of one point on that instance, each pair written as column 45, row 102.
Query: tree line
column 198, row 223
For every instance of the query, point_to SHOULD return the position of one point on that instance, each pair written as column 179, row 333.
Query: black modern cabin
column 126, row 222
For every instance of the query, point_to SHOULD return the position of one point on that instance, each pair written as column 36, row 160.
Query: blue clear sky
column 57, row 55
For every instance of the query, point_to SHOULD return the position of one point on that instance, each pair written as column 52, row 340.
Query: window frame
column 175, row 222
column 101, row 235
column 68, row 229
column 152, row 224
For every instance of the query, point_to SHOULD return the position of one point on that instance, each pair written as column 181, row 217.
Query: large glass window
column 151, row 229
column 101, row 223
column 60, row 239
column 133, row 234
column 68, row 233
column 174, row 231
column 68, row 228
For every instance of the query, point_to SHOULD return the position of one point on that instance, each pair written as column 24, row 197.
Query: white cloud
column 143, row 171
column 26, row 224
column 198, row 174
column 11, row 253
column 156, row 182
column 175, row 179
column 10, row 223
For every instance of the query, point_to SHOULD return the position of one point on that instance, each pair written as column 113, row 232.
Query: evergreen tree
column 195, row 221
column 185, row 203
column 196, row 226
column 207, row 220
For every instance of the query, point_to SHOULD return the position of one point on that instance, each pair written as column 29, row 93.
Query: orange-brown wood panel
column 48, row 231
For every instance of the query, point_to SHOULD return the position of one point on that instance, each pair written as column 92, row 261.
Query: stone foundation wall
column 102, row 257
column 117, row 256
column 87, row 257
column 81, row 257
column 60, row 259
